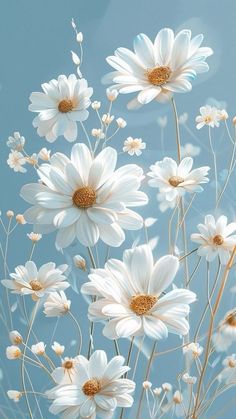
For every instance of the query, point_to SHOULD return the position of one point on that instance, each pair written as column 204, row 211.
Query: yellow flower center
column 36, row 285
column 91, row 387
column 175, row 181
column 84, row 197
column 207, row 119
column 65, row 105
column 218, row 240
column 232, row 363
column 141, row 304
column 158, row 75
column 231, row 319
column 68, row 365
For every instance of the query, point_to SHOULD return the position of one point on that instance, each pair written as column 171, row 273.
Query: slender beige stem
column 215, row 164
column 177, row 129
column 146, row 378
column 79, row 331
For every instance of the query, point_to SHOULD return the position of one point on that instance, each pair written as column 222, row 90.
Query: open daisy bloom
column 97, row 389
column 130, row 296
column 228, row 374
column 85, row 197
column 174, row 180
column 62, row 103
column 37, row 282
column 66, row 373
column 160, row 69
column 215, row 239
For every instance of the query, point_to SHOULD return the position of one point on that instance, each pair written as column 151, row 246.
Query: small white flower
column 96, row 105
column 215, row 238
column 174, row 180
column 107, row 119
column 44, row 154
column 228, row 374
column 13, row 352
column 162, row 121
column 130, row 296
column 10, row 214
column 177, row 397
column 15, row 337
column 20, row 219
column 157, row 391
column 79, row 37
column 134, row 146
column 97, row 388
column 37, row 282
column 57, row 304
column 34, row 237
column 33, row 159
column 188, row 379
column 147, row 385
column 58, row 349
column 75, row 58
column 80, row 262
column 16, row 161
column 193, row 350
column 14, row 395
column 98, row 132
column 62, row 103
column 38, row 348
column 167, row 387
column 16, row 142
column 66, row 373
column 111, row 94
column 223, row 115
column 209, row 116
column 183, row 118
column 121, row 123
column 190, row 150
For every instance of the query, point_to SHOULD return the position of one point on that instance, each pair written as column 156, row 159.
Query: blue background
column 35, row 42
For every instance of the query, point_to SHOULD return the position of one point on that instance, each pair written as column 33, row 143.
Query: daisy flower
column 16, row 142
column 174, row 179
column 37, row 282
column 56, row 304
column 16, row 161
column 134, row 146
column 66, row 373
column 97, row 389
column 215, row 239
column 209, row 116
column 62, row 103
column 228, row 374
column 227, row 327
column 130, row 296
column 85, row 197
column 158, row 70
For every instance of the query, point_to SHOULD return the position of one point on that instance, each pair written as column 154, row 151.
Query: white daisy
column 85, row 197
column 134, row 146
column 29, row 280
column 16, row 142
column 215, row 239
column 97, row 389
column 130, row 296
column 174, row 179
column 56, row 304
column 228, row 374
column 16, row 161
column 209, row 116
column 157, row 70
column 66, row 373
column 62, row 103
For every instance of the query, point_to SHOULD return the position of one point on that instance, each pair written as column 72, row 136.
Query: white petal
column 163, row 274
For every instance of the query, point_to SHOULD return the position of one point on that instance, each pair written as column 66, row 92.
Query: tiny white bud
column 14, row 395
column 147, row 385
column 20, row 219
column 9, row 214
column 111, row 94
column 79, row 37
column 80, row 262
column 96, row 105
column 15, row 337
column 34, row 237
column 107, row 119
column 157, row 391
column 13, row 352
column 38, row 348
column 167, row 387
column 44, row 154
column 75, row 58
column 58, row 349
column 121, row 123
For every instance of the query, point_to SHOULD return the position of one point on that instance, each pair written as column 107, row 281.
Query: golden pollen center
column 65, row 106
column 232, row 363
column 175, row 181
column 142, row 304
column 91, row 387
column 158, row 75
column 208, row 119
column 231, row 319
column 68, row 365
column 84, row 197
column 218, row 240
column 35, row 285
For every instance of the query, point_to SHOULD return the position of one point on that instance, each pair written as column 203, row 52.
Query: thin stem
column 79, row 331
column 93, row 263
column 146, row 378
column 87, row 136
column 215, row 164
column 137, row 356
column 177, row 129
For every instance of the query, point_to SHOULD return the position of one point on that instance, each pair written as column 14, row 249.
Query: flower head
column 174, row 180
column 215, row 238
column 16, row 161
column 158, row 70
column 228, row 374
column 62, row 103
column 15, row 337
column 13, row 352
column 38, row 348
column 14, row 395
column 16, row 142
column 34, row 237
column 130, row 296
column 97, row 388
column 85, row 197
column 134, row 146
column 37, row 282
column 58, row 348
column 80, row 262
column 44, row 154
column 227, row 326
column 66, row 373
column 209, row 116
column 56, row 304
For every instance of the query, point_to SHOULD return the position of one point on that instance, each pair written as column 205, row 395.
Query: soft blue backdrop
column 35, row 42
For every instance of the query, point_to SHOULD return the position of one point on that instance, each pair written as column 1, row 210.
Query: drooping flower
column 97, row 389
column 85, row 197
column 174, row 180
column 134, row 146
column 37, row 282
column 57, row 304
column 215, row 238
column 228, row 374
column 60, row 106
column 16, row 142
column 16, row 161
column 158, row 70
column 209, row 116
column 130, row 296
